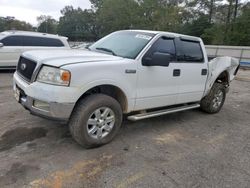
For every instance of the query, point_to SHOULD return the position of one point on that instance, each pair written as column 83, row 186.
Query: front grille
column 25, row 68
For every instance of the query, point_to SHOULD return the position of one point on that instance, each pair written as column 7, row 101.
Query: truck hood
column 64, row 57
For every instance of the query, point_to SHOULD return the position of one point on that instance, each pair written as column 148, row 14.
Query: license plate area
column 17, row 94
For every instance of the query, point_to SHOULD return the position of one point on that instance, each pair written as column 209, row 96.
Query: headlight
column 53, row 75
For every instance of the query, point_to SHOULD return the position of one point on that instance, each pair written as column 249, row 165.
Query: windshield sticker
column 146, row 37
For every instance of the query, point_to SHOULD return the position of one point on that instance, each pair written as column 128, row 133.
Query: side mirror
column 1, row 45
column 158, row 59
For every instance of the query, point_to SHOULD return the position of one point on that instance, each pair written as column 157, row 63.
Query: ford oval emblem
column 23, row 66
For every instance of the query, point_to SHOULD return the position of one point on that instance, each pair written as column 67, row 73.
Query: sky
column 29, row 10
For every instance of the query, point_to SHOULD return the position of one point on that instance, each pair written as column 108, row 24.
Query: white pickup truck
column 141, row 74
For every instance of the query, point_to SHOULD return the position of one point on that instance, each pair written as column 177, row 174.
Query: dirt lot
column 186, row 149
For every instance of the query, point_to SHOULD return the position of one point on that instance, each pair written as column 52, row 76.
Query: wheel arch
column 223, row 78
column 110, row 90
column 220, row 77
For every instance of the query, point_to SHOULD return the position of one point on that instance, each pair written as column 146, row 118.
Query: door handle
column 204, row 72
column 177, row 72
column 130, row 71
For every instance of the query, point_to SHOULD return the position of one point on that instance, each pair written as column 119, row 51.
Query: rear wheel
column 214, row 101
column 95, row 120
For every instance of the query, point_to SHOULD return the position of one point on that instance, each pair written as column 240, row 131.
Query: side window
column 51, row 42
column 191, row 51
column 162, row 45
column 28, row 41
column 41, row 41
column 57, row 43
column 12, row 41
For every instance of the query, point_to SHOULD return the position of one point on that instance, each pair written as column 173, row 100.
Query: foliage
column 77, row 24
column 10, row 23
column 121, row 15
column 224, row 22
column 47, row 24
column 237, row 32
column 240, row 29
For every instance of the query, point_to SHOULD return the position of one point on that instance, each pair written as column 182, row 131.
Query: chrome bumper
column 57, row 111
column 54, row 110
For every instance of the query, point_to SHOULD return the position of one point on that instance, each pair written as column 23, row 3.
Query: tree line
column 224, row 22
column 9, row 23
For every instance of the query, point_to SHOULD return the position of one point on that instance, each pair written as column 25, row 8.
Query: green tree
column 203, row 7
column 47, row 24
column 216, row 21
column 232, row 33
column 2, row 24
column 10, row 23
column 121, row 15
column 77, row 24
column 112, row 15
column 197, row 27
column 240, row 34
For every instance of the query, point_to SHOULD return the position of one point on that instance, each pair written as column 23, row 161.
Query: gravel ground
column 186, row 149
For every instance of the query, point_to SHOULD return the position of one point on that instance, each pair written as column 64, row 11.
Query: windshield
column 127, row 44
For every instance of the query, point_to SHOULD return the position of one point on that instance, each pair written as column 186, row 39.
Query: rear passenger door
column 194, row 70
column 10, row 52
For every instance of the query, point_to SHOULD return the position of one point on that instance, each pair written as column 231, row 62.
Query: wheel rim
column 218, row 99
column 100, row 123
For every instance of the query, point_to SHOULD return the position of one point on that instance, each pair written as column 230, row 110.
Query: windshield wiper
column 107, row 50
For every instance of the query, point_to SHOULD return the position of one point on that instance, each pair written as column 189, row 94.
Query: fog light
column 41, row 105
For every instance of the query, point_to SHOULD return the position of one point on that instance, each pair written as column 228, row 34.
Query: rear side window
column 162, row 45
column 191, row 51
column 41, row 41
column 12, row 41
column 31, row 41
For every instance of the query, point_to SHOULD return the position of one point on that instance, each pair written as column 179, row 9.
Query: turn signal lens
column 65, row 76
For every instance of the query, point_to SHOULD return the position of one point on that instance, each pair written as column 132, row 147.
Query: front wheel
column 214, row 101
column 95, row 120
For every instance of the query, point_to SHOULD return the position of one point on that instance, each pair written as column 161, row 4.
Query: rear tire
column 214, row 101
column 95, row 120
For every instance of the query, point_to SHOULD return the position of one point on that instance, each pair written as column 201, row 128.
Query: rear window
column 41, row 41
column 191, row 51
column 31, row 41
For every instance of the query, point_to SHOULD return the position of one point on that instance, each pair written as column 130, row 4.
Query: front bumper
column 55, row 110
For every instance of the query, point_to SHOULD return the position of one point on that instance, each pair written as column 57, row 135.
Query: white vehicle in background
column 141, row 74
column 14, row 43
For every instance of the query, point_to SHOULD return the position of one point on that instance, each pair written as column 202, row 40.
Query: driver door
column 157, row 86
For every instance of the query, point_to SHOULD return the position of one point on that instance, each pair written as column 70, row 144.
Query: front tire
column 95, row 120
column 214, row 101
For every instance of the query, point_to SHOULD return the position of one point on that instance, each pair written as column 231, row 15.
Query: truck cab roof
column 170, row 34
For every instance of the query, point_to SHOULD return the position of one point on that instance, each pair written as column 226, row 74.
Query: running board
column 138, row 117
